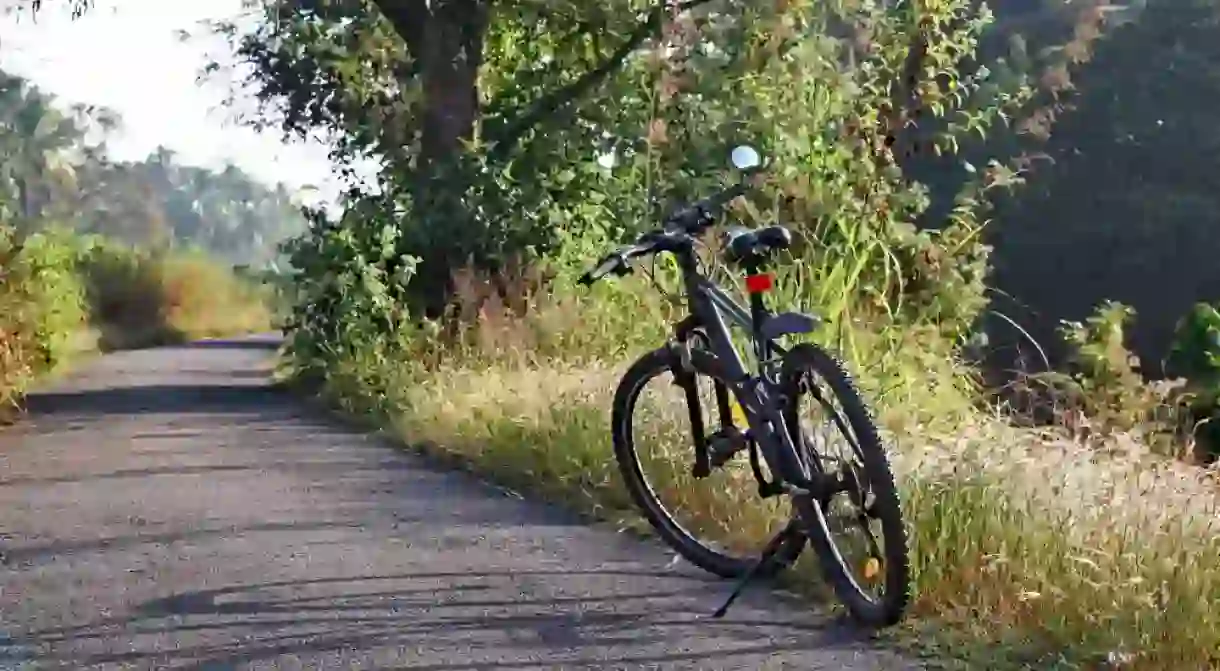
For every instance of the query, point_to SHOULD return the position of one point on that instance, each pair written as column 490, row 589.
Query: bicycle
column 701, row 345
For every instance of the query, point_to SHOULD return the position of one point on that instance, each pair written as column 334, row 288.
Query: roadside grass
column 1029, row 549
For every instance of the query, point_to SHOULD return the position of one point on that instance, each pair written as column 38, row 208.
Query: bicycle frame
column 709, row 305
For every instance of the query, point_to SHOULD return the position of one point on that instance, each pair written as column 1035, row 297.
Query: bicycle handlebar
column 686, row 222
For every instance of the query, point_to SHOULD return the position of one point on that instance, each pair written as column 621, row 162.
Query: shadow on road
column 476, row 617
column 269, row 343
column 157, row 399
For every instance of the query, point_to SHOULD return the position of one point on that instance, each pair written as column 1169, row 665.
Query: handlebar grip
column 607, row 265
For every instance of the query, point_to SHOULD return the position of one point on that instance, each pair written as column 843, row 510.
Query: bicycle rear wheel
column 811, row 377
column 638, row 424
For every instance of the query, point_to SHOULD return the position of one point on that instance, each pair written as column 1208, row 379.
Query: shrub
column 1195, row 356
column 140, row 298
column 1105, row 384
column 42, row 309
column 1105, row 391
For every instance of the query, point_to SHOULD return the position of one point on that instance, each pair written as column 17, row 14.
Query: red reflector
column 756, row 284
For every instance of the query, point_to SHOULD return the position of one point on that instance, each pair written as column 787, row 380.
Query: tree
column 326, row 62
column 342, row 67
column 51, row 173
column 445, row 39
column 34, row 140
column 1125, row 208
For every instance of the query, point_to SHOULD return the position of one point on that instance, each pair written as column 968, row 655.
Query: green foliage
column 1104, row 390
column 785, row 78
column 50, row 258
column 349, row 288
column 1196, row 357
column 42, row 308
column 1196, row 349
column 852, row 103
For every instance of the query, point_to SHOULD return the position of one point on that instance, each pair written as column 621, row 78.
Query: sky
column 126, row 55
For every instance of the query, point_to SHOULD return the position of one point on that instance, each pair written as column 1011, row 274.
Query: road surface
column 169, row 509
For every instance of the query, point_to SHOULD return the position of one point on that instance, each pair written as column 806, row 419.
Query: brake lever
column 619, row 269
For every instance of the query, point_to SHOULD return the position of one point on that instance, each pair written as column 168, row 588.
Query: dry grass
column 203, row 299
column 1083, row 560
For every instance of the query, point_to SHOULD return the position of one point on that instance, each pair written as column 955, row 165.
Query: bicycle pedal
column 725, row 444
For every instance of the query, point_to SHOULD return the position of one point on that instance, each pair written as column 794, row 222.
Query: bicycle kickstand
column 790, row 533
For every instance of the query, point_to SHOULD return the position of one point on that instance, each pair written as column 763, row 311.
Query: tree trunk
column 446, row 38
column 25, row 198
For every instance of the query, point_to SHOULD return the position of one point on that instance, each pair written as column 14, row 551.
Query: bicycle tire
column 892, row 605
column 672, row 533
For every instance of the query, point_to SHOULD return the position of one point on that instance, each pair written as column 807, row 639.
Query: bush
column 42, row 309
column 141, row 298
column 1104, row 385
column 1105, row 391
column 1195, row 357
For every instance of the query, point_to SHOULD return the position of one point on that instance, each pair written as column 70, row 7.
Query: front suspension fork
column 685, row 365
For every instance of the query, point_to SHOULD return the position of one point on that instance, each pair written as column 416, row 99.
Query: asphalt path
column 169, row 508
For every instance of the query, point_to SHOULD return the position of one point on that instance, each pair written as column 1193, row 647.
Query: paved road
column 168, row 509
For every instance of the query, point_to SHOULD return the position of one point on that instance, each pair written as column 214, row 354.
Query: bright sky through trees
column 126, row 55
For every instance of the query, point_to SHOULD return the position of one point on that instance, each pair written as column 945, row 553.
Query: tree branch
column 77, row 7
column 555, row 100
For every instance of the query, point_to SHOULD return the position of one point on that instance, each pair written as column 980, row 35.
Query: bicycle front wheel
column 717, row 522
column 870, row 573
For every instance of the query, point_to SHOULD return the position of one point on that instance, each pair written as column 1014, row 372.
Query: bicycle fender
column 788, row 323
